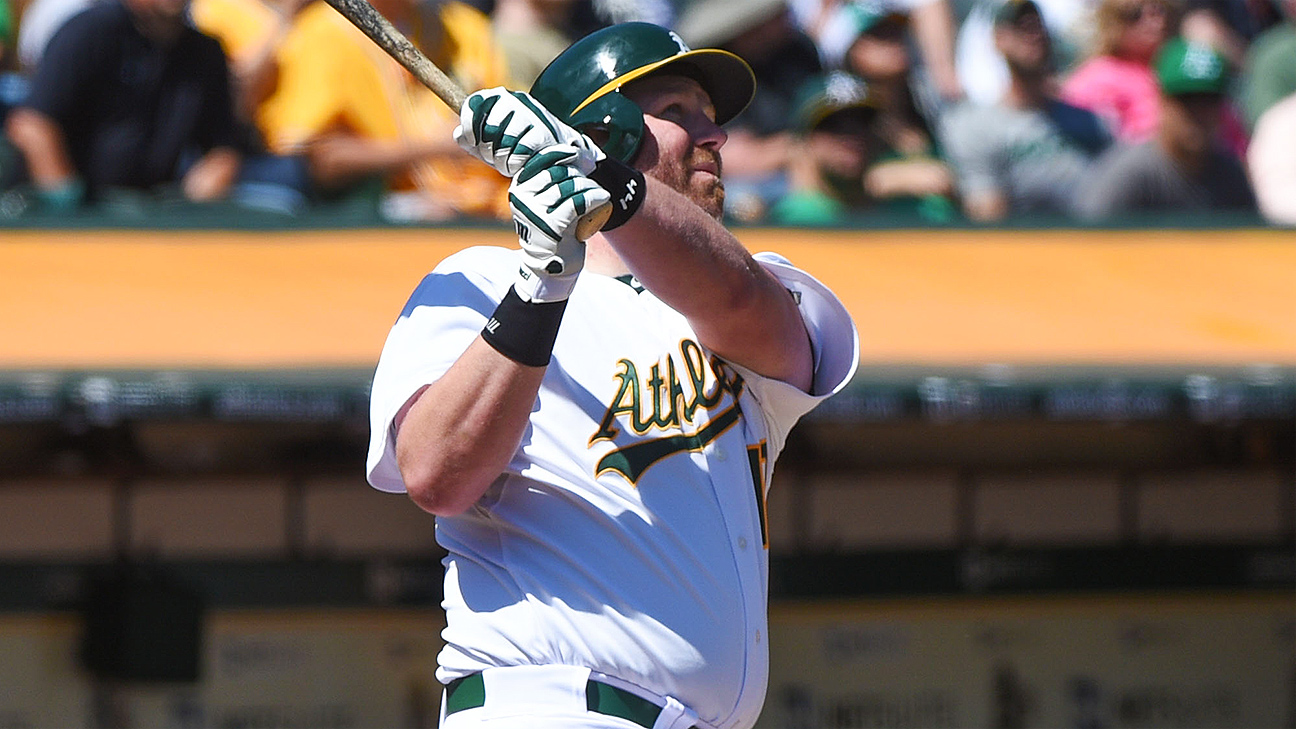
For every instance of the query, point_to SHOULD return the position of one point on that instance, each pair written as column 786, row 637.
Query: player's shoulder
column 477, row 277
column 486, row 260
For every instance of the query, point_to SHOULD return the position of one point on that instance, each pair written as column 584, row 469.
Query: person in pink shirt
column 1117, row 82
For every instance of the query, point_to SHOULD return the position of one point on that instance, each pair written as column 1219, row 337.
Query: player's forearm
column 463, row 429
column 738, row 309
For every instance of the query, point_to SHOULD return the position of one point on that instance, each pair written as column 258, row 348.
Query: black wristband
column 626, row 186
column 523, row 331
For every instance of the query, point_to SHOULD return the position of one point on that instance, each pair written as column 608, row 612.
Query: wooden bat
column 387, row 37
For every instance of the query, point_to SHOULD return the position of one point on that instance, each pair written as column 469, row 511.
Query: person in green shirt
column 1270, row 66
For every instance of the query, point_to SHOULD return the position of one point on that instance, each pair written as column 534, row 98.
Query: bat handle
column 593, row 221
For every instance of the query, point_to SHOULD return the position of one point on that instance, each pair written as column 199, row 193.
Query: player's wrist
column 524, row 331
column 625, row 184
column 539, row 287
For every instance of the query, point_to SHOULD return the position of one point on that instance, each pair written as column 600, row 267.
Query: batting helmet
column 582, row 85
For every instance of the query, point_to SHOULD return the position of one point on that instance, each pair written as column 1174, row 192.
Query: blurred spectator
column 933, row 29
column 6, row 34
column 1270, row 66
column 834, row 118
column 1272, row 162
column 1028, row 152
column 531, row 33
column 782, row 56
column 982, row 70
column 1182, row 168
column 40, row 19
column 841, row 164
column 931, row 25
column 125, row 93
column 658, row 12
column 1228, row 26
column 368, row 127
column 250, row 32
column 1117, row 82
column 908, row 164
column 9, row 96
column 12, row 90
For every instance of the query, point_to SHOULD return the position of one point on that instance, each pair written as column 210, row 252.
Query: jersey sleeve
column 834, row 344
column 442, row 317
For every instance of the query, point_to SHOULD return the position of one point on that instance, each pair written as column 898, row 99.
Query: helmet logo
column 679, row 41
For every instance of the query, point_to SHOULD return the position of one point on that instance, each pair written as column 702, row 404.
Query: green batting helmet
column 582, row 85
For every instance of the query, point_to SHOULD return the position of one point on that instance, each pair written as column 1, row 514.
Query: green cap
column 1011, row 11
column 865, row 16
column 825, row 95
column 1183, row 67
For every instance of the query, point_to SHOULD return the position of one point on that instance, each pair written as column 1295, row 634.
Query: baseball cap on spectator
column 831, row 96
column 1011, row 11
column 705, row 23
column 850, row 21
column 1183, row 67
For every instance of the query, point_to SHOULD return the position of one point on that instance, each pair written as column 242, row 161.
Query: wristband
column 524, row 331
column 626, row 186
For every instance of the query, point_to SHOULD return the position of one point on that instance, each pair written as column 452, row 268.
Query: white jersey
column 628, row 533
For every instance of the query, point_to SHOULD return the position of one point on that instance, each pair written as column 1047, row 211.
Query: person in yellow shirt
column 249, row 32
column 356, row 114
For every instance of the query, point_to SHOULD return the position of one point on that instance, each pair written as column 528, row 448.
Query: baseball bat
column 380, row 30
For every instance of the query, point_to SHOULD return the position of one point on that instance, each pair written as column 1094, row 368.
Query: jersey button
column 742, row 542
column 720, row 454
column 758, row 636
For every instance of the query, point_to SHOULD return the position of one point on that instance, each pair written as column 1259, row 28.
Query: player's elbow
column 441, row 491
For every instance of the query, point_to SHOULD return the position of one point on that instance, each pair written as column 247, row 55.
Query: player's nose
column 708, row 134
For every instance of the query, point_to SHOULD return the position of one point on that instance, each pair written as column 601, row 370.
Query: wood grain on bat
column 382, row 32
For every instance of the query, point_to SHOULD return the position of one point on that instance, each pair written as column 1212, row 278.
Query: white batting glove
column 547, row 197
column 505, row 129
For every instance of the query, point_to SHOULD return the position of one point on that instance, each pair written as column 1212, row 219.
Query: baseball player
column 595, row 424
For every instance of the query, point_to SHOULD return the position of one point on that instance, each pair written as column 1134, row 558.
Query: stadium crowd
column 940, row 110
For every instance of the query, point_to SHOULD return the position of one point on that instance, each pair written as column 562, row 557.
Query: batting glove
column 505, row 129
column 547, row 197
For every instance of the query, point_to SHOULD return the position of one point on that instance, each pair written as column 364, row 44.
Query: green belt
column 469, row 692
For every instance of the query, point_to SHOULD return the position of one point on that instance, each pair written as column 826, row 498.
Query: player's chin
column 710, row 196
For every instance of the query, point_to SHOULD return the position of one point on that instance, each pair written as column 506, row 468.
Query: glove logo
column 523, row 232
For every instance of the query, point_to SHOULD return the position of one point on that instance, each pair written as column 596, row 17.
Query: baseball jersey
column 628, row 533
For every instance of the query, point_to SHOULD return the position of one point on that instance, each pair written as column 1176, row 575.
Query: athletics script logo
column 668, row 401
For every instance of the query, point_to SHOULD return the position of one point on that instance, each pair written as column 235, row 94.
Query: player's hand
column 505, row 129
column 547, row 197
